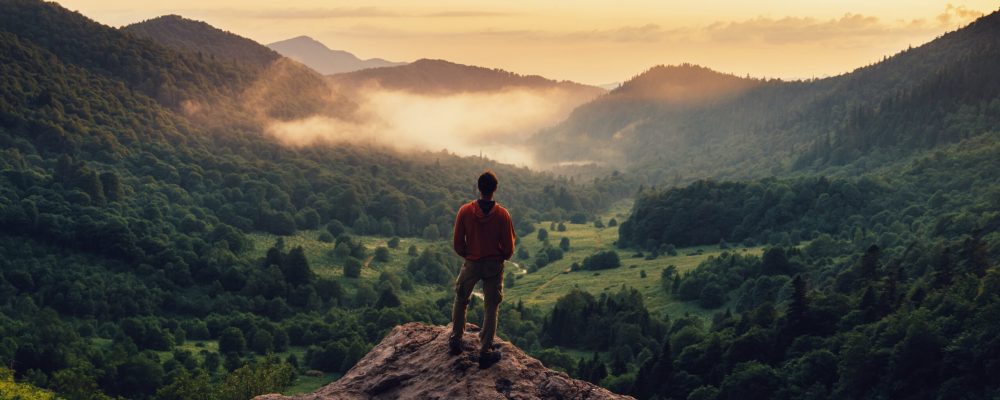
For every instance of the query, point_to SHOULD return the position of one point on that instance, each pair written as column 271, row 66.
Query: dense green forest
column 125, row 218
column 135, row 174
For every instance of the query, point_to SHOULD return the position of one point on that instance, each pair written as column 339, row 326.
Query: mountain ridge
column 435, row 76
column 323, row 59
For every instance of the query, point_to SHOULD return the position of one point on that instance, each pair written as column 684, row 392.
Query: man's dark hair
column 487, row 183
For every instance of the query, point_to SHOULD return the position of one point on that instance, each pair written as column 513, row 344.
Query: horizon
column 777, row 39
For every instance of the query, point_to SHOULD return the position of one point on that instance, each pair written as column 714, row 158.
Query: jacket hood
column 484, row 217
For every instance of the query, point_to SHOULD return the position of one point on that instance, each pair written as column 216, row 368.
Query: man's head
column 487, row 183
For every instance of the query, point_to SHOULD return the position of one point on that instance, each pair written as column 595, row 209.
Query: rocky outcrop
column 413, row 362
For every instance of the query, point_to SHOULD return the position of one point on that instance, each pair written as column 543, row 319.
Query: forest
column 136, row 180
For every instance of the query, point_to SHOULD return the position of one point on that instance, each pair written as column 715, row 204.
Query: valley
column 188, row 214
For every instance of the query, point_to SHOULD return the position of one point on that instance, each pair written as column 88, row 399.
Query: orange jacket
column 480, row 236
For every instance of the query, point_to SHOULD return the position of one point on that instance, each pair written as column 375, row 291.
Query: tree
column 393, row 243
column 751, row 380
column 232, row 341
column 186, row 386
column 543, row 235
column 382, row 254
column 712, row 296
column 387, row 298
column 335, row 228
column 602, row 260
column 564, row 244
column 296, row 268
column 263, row 342
column 352, row 268
column 431, row 232
column 798, row 310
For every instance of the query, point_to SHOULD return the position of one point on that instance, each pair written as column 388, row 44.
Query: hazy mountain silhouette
column 443, row 77
column 326, row 61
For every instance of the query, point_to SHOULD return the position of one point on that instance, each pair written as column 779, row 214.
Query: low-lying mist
column 493, row 123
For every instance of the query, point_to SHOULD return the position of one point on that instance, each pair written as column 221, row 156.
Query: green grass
column 309, row 384
column 538, row 289
column 543, row 287
column 325, row 264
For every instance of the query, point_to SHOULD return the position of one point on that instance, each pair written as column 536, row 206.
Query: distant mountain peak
column 683, row 82
column 322, row 58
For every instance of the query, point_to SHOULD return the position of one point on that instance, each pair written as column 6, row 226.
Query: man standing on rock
column 484, row 236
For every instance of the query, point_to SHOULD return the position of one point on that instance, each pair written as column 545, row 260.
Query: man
column 484, row 236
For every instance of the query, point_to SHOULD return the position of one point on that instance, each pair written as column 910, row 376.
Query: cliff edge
column 412, row 362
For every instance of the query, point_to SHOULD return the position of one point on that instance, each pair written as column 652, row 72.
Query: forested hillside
column 125, row 216
column 879, row 286
column 157, row 242
column 937, row 93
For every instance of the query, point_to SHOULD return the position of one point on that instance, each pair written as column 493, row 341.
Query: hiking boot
column 488, row 358
column 455, row 345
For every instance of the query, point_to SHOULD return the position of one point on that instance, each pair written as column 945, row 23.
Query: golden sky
column 593, row 42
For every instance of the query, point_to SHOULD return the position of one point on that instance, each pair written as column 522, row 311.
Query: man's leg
column 492, row 295
column 467, row 279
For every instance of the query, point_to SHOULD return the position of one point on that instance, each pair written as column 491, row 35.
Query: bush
column 394, row 243
column 325, row 237
column 335, row 228
column 602, row 260
column 382, row 254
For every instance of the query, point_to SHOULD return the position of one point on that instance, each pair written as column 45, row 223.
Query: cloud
column 343, row 13
column 469, row 14
column 848, row 30
column 494, row 123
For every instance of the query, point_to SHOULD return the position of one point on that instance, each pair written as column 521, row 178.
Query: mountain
column 412, row 362
column 686, row 122
column 278, row 87
column 444, row 77
column 199, row 37
column 326, row 61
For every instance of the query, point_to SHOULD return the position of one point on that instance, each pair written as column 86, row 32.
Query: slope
column 326, row 61
column 937, row 93
column 280, row 88
column 199, row 37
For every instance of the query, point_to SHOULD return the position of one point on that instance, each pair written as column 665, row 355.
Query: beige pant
column 491, row 273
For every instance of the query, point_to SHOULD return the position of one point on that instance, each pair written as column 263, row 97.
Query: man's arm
column 458, row 235
column 507, row 239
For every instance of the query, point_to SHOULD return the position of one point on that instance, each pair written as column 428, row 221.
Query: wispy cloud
column 344, row 12
column 847, row 31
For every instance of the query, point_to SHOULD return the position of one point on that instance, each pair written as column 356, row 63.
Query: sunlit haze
column 592, row 42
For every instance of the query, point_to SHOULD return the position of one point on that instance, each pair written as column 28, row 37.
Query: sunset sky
column 594, row 42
